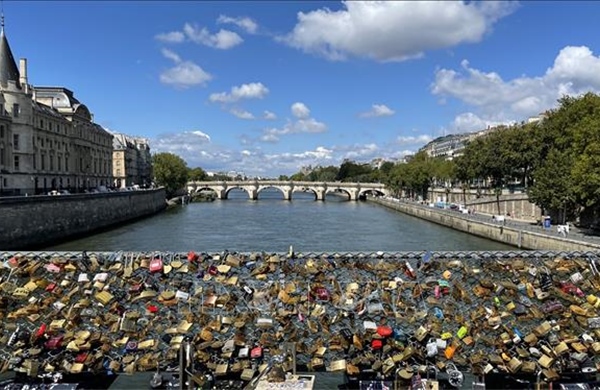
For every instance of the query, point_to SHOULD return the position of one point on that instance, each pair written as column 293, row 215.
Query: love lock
column 455, row 377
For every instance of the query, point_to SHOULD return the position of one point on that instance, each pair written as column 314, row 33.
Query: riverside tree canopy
column 170, row 171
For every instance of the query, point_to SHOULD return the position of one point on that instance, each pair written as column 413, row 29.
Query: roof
column 8, row 66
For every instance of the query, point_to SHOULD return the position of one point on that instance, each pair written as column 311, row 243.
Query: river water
column 272, row 224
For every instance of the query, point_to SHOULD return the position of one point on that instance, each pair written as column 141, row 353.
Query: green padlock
column 462, row 332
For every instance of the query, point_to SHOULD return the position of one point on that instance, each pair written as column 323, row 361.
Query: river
column 272, row 224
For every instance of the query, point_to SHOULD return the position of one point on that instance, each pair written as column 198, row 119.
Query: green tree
column 197, row 174
column 565, row 177
column 170, row 171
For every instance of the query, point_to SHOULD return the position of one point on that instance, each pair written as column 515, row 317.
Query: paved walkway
column 574, row 233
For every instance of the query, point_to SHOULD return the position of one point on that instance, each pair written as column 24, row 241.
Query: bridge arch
column 250, row 193
column 371, row 191
column 339, row 191
column 305, row 190
column 284, row 191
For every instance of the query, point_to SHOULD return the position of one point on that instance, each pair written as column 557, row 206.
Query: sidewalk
column 583, row 235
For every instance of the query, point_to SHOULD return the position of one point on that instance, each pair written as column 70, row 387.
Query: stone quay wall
column 35, row 221
column 508, row 235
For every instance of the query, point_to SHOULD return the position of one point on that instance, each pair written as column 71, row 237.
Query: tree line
column 555, row 160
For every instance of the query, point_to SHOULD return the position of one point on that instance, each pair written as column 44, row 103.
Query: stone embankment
column 519, row 235
column 36, row 221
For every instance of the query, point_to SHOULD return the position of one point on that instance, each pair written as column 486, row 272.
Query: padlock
column 256, row 353
column 462, row 332
column 450, row 350
column 376, row 344
column 156, row 265
column 431, row 348
column 384, row 331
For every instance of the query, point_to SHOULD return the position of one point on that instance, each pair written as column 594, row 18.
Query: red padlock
column 192, row 256
column 156, row 265
column 54, row 342
column 256, row 352
column 384, row 331
column 436, row 292
column 81, row 357
column 213, row 270
column 50, row 287
column 322, row 294
column 41, row 331
column 376, row 344
column 152, row 308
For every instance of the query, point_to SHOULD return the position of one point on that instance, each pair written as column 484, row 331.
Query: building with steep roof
column 132, row 162
column 48, row 139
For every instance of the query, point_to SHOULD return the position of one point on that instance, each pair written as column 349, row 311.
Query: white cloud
column 171, row 37
column 171, row 55
column 576, row 70
column 185, row 74
column 242, row 114
column 468, row 122
column 393, row 30
column 185, row 143
column 223, row 39
column 299, row 110
column 412, row 140
column 246, row 23
column 244, row 91
column 268, row 115
column 378, row 110
column 202, row 135
column 196, row 148
column 305, row 126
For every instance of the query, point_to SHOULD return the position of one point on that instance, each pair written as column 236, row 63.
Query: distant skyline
column 267, row 87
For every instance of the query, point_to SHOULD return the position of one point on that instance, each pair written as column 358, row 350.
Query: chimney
column 23, row 73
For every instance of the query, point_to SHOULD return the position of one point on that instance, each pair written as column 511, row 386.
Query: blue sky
column 265, row 88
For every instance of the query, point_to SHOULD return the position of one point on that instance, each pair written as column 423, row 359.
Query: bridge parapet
column 320, row 189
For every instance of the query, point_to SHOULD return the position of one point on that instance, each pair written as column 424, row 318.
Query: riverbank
column 519, row 235
column 36, row 221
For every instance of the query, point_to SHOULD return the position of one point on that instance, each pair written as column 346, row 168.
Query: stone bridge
column 354, row 190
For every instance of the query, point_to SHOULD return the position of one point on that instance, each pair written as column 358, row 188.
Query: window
column 16, row 141
column 66, row 164
column 50, row 126
column 51, row 163
column 41, row 124
column 34, row 161
column 16, row 163
column 16, row 110
column 59, row 163
column 1, row 156
column 43, row 162
column 1, row 131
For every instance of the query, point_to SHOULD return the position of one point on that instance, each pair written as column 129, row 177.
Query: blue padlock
column 399, row 334
column 518, row 333
column 438, row 312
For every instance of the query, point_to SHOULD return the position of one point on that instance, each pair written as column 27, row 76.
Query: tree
column 170, row 171
column 197, row 174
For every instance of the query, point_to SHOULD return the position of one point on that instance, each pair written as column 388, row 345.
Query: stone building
column 132, row 162
column 48, row 139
